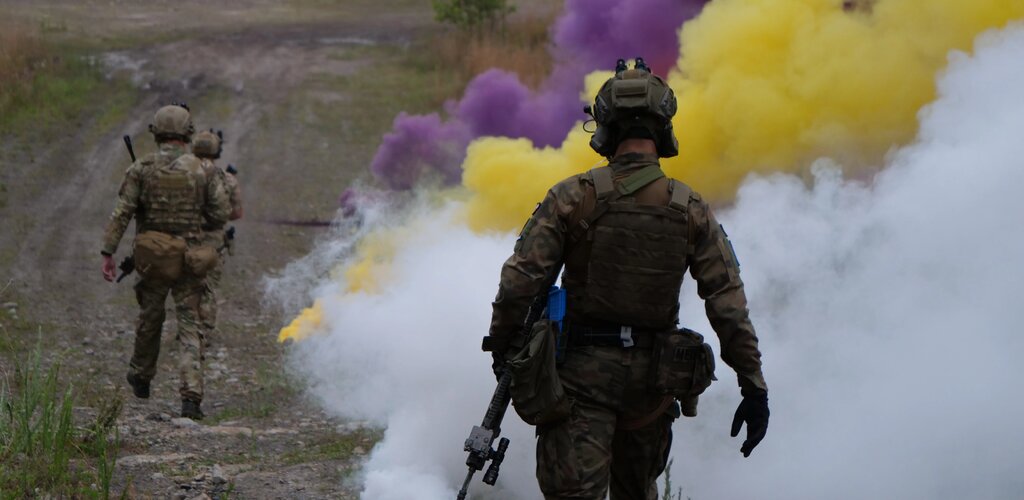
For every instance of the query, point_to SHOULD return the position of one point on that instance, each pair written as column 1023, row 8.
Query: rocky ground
column 291, row 86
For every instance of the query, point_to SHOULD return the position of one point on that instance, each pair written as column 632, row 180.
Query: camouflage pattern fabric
column 234, row 192
column 231, row 188
column 139, row 198
column 143, row 198
column 596, row 448
column 151, row 297
column 214, row 236
column 208, row 301
column 713, row 266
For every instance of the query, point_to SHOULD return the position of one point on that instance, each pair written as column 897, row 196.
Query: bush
column 473, row 15
column 522, row 48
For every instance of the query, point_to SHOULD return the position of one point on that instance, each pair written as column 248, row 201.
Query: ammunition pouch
column 201, row 259
column 537, row 393
column 682, row 366
column 159, row 256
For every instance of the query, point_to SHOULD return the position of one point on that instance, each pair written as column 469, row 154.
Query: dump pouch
column 159, row 256
column 683, row 365
column 201, row 259
column 536, row 390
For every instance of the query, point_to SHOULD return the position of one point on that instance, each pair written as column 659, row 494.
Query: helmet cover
column 172, row 122
column 634, row 98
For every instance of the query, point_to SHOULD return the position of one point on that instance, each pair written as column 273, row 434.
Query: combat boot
column 190, row 409
column 139, row 387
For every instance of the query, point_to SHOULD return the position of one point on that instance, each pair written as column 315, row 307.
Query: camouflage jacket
column 214, row 206
column 232, row 188
column 543, row 245
column 234, row 192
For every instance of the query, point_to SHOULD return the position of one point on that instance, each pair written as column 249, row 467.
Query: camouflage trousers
column 208, row 302
column 618, row 435
column 152, row 297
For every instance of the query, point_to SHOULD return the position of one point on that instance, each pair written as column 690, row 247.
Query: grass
column 337, row 447
column 520, row 47
column 667, row 493
column 41, row 449
column 272, row 387
column 46, row 87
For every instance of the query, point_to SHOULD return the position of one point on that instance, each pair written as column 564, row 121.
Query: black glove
column 754, row 411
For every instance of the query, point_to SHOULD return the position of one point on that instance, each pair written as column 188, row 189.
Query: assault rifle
column 128, row 144
column 127, row 266
column 480, row 439
column 229, row 237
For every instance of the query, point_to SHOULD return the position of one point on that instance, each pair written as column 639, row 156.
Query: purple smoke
column 597, row 32
column 589, row 35
column 420, row 145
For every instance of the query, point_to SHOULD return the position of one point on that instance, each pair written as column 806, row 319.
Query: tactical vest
column 626, row 260
column 172, row 196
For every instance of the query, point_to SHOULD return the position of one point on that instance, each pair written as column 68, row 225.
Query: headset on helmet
column 634, row 100
column 172, row 122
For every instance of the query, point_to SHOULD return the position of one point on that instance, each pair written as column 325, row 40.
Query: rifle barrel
column 128, row 144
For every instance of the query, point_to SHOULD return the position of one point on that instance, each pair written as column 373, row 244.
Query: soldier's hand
column 753, row 410
column 109, row 269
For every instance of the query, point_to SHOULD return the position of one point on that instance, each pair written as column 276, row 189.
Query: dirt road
column 290, row 85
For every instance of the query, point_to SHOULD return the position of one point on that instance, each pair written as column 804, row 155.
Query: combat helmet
column 172, row 122
column 208, row 144
column 633, row 103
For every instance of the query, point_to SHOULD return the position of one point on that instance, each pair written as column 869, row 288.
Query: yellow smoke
column 763, row 86
column 306, row 323
column 369, row 271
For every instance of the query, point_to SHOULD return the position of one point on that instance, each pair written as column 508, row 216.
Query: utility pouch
column 200, row 259
column 683, row 366
column 536, row 390
column 159, row 256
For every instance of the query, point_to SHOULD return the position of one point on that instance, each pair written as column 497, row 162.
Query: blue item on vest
column 556, row 313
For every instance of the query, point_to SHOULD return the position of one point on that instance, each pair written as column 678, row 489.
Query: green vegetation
column 339, row 447
column 272, row 385
column 45, row 87
column 667, row 493
column 473, row 15
column 41, row 449
column 520, row 47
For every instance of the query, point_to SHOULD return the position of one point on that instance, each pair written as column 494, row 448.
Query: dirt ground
column 291, row 85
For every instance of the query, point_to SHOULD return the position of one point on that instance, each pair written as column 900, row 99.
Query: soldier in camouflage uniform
column 623, row 271
column 207, row 146
column 170, row 193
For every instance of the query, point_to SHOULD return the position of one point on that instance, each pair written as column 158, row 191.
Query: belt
column 610, row 336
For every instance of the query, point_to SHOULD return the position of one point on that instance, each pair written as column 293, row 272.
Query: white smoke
column 886, row 311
